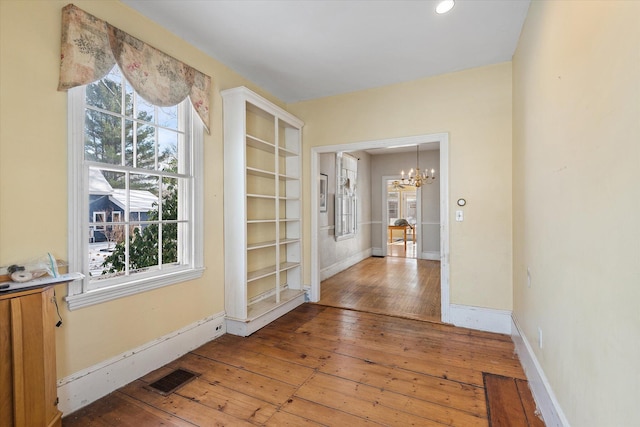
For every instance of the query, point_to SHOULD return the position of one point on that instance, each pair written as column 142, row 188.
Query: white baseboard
column 540, row 388
column 86, row 386
column 480, row 318
column 432, row 255
column 244, row 328
column 344, row 264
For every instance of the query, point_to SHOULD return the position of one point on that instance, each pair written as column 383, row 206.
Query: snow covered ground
column 97, row 254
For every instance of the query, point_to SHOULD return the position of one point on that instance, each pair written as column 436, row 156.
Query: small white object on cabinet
column 262, row 211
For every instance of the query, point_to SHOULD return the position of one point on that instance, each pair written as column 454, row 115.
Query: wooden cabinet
column 28, row 393
column 262, row 211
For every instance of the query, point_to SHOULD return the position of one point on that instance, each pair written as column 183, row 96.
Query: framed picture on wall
column 323, row 192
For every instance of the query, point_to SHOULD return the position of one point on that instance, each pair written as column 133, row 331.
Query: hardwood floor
column 321, row 365
column 397, row 249
column 394, row 286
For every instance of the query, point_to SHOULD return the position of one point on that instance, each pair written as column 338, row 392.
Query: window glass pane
column 128, row 142
column 106, row 93
column 128, row 100
column 97, row 254
column 103, row 137
column 144, row 190
column 107, row 232
column 169, row 243
column 170, row 199
column 145, row 110
column 168, row 150
column 168, row 117
column 116, row 180
column 143, row 248
column 145, row 146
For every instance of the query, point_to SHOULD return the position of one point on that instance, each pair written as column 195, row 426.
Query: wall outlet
column 528, row 278
column 539, row 337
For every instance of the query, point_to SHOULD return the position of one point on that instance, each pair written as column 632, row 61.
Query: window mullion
column 123, row 121
column 160, row 222
column 127, row 244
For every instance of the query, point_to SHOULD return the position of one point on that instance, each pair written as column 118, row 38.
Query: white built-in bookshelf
column 262, row 211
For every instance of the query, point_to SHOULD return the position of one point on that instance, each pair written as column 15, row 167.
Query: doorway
column 443, row 140
column 402, row 218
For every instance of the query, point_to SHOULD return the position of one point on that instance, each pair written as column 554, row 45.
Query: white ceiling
column 306, row 49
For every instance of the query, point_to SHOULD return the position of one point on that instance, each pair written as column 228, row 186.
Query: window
column 346, row 207
column 135, row 214
column 392, row 207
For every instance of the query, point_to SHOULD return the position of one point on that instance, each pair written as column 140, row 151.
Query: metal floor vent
column 173, row 381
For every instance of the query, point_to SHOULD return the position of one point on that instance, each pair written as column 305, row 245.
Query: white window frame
column 99, row 220
column 115, row 214
column 79, row 292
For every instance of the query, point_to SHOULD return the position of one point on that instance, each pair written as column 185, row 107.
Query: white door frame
column 385, row 216
column 443, row 175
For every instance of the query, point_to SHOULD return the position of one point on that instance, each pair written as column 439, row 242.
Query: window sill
column 133, row 287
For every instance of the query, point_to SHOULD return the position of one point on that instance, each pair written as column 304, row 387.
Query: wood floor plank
column 177, row 405
column 504, row 406
column 117, row 409
column 258, row 386
column 255, row 362
column 325, row 415
column 353, row 405
column 214, row 396
column 228, row 401
column 501, row 362
column 456, row 395
column 326, row 389
column 529, row 405
column 285, row 419
column 420, row 362
column 289, row 351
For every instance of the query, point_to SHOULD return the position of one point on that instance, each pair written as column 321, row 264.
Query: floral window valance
column 91, row 47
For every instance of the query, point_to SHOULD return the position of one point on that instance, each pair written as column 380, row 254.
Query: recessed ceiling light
column 444, row 6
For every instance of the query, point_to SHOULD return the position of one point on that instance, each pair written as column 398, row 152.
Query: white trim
column 132, row 287
column 431, row 255
column 444, row 230
column 344, row 264
column 314, row 286
column 327, row 227
column 480, row 318
column 546, row 401
column 244, row 327
column 443, row 139
column 90, row 384
column 377, row 252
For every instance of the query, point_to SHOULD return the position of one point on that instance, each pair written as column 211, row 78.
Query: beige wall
column 33, row 179
column 474, row 106
column 576, row 156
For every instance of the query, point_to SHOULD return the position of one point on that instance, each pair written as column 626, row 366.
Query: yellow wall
column 33, row 179
column 474, row 106
column 576, row 156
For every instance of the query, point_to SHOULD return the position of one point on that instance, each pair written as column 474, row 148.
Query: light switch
column 459, row 216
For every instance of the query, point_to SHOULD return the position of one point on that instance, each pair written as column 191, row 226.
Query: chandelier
column 416, row 178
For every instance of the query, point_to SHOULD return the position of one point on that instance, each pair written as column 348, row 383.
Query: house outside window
column 135, row 192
